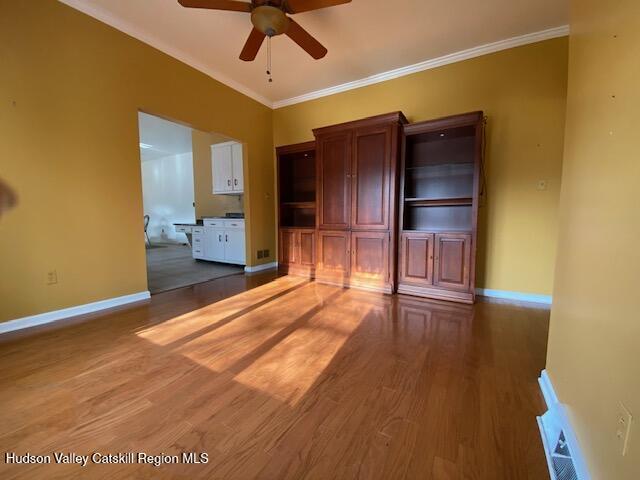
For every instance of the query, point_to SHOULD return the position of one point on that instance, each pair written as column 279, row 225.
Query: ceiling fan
column 269, row 18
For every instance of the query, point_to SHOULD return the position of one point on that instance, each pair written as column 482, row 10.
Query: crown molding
column 131, row 30
column 164, row 47
column 534, row 37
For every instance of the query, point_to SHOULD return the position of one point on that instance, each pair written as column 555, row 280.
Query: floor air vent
column 561, row 460
column 564, row 457
column 559, row 451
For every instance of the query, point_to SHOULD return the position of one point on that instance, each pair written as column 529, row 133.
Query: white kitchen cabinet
column 237, row 169
column 227, row 168
column 214, row 241
column 222, row 241
column 198, row 240
column 234, row 246
column 221, row 165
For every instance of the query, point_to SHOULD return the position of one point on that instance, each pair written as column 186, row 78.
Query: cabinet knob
column 226, row 237
column 235, row 181
column 229, row 182
column 219, row 238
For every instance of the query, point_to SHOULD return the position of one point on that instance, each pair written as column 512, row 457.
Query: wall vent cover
column 562, row 462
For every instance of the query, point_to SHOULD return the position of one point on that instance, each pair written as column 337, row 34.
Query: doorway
column 181, row 203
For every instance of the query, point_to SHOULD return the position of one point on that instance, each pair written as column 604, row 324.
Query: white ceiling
column 364, row 37
column 163, row 137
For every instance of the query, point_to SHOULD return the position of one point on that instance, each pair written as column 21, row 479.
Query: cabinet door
column 214, row 245
column 452, row 260
column 370, row 257
column 237, row 167
column 288, row 247
column 221, row 160
column 334, row 185
column 307, row 247
column 333, row 254
column 234, row 248
column 416, row 258
column 371, row 178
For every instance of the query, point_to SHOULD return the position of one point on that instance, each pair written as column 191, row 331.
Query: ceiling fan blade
column 232, row 5
column 252, row 46
column 303, row 38
column 299, row 6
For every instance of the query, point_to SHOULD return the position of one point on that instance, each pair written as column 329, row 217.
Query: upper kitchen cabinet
column 226, row 163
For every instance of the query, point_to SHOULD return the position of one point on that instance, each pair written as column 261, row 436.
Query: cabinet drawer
column 197, row 230
column 212, row 222
column 233, row 224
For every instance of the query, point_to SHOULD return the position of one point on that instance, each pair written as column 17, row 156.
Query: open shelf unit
column 439, row 179
column 297, row 186
column 297, row 208
column 439, row 207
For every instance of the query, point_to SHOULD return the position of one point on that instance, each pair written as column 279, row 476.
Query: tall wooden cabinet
column 440, row 184
column 297, row 208
column 384, row 205
column 357, row 178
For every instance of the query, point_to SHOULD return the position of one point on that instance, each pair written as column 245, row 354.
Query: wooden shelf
column 440, row 202
column 299, row 204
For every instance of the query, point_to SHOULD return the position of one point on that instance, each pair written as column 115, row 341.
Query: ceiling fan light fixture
column 269, row 20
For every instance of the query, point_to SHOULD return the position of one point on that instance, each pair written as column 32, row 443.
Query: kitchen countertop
column 200, row 222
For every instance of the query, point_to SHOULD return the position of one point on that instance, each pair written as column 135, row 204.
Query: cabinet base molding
column 260, row 268
column 309, row 272
column 437, row 294
column 346, row 283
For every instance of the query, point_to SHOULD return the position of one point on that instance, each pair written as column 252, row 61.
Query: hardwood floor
column 290, row 379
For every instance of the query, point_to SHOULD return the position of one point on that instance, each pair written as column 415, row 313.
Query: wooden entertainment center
column 384, row 205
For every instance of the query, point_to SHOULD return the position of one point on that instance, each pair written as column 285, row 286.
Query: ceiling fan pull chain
column 269, row 59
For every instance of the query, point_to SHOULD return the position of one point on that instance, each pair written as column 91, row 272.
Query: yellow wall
column 523, row 91
column 593, row 343
column 208, row 204
column 70, row 149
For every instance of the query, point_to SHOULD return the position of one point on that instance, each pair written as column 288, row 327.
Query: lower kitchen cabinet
column 220, row 241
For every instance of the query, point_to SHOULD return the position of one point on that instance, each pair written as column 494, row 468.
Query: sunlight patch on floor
column 178, row 327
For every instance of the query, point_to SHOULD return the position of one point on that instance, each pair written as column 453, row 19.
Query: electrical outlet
column 265, row 253
column 542, row 185
column 623, row 428
column 52, row 277
column 259, row 253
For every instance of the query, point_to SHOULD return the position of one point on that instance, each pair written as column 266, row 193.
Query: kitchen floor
column 172, row 266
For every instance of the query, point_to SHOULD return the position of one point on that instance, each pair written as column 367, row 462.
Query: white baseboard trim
column 261, row 268
column 518, row 296
column 552, row 422
column 55, row 315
